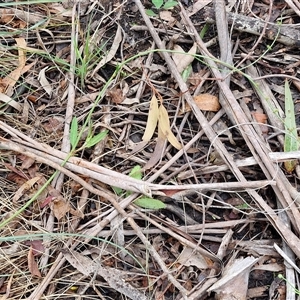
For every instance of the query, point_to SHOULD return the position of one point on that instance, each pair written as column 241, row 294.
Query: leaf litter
column 142, row 209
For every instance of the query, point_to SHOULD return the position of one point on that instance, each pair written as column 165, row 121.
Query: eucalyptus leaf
column 74, row 132
column 149, row 203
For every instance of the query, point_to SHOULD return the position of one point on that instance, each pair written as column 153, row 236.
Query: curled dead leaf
column 32, row 264
column 44, row 81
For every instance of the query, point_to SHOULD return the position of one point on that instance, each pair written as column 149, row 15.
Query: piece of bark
column 284, row 34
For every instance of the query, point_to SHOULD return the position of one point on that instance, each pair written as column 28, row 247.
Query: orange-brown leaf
column 207, row 102
column 32, row 265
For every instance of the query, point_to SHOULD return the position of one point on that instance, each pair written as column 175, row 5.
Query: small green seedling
column 161, row 4
column 144, row 202
column 90, row 140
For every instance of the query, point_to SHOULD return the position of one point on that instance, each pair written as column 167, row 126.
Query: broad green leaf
column 118, row 191
column 164, row 125
column 158, row 3
column 291, row 141
column 74, row 132
column 170, row 4
column 95, row 139
column 150, row 203
column 136, row 172
column 152, row 119
column 150, row 13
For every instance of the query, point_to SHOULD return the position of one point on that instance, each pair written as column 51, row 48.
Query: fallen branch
column 116, row 179
column 282, row 33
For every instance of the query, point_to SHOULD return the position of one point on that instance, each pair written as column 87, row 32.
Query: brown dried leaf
column 15, row 170
column 10, row 80
column 188, row 257
column 59, row 207
column 36, row 246
column 207, row 102
column 14, row 22
column 27, row 162
column 77, row 213
column 166, row 15
column 152, row 119
column 164, row 126
column 24, row 188
column 46, row 201
column 182, row 60
column 261, row 118
column 116, row 95
column 54, row 124
column 32, row 265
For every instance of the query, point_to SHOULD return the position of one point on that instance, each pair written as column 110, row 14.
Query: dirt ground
column 149, row 149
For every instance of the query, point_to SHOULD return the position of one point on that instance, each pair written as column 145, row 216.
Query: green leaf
column 204, row 30
column 95, row 139
column 170, row 4
column 186, row 73
column 150, row 13
column 243, row 206
column 150, row 203
column 158, row 3
column 74, row 132
column 291, row 140
column 118, row 191
column 136, row 172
